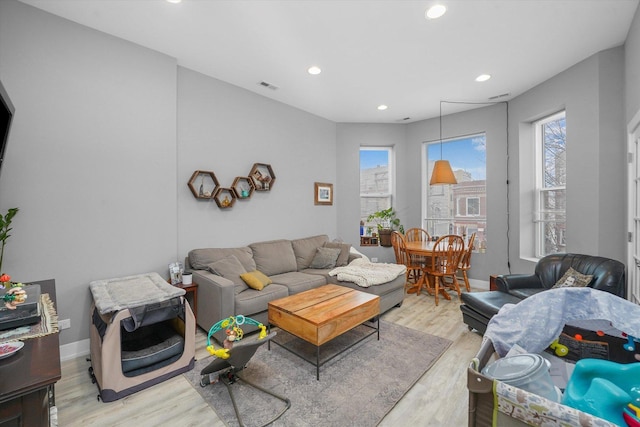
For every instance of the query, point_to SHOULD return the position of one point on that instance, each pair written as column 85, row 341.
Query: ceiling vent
column 504, row 95
column 269, row 85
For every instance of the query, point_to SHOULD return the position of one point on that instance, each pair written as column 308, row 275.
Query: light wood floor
column 439, row 398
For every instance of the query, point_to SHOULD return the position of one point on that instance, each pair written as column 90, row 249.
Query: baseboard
column 479, row 284
column 74, row 349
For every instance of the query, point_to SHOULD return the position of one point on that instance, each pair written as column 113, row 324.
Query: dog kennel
column 142, row 333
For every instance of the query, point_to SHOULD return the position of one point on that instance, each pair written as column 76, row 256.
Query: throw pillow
column 256, row 280
column 573, row 279
column 230, row 268
column 343, row 257
column 325, row 258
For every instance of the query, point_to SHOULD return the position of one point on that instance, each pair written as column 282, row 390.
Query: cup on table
column 187, row 278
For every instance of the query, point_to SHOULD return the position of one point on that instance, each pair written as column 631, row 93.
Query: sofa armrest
column 518, row 281
column 216, row 298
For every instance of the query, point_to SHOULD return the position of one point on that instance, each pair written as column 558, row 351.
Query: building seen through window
column 459, row 208
column 551, row 180
column 376, row 179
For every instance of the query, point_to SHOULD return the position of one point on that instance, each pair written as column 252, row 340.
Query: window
column 461, row 208
column 473, row 206
column 376, row 178
column 550, row 189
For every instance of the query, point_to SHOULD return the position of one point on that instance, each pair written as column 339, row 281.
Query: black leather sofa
column 479, row 307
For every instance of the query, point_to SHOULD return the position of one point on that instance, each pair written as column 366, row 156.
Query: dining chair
column 412, row 274
column 445, row 258
column 465, row 262
column 417, row 235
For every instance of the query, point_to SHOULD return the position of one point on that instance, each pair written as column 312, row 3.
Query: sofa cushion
column 345, row 248
column 305, row 249
column 573, row 279
column 231, row 269
column 251, row 302
column 256, row 280
column 297, row 282
column 201, row 258
column 273, row 257
column 325, row 258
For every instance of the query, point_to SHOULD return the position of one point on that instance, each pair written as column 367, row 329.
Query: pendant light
column 442, row 172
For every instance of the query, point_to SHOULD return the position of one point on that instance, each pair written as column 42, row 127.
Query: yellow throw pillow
column 256, row 280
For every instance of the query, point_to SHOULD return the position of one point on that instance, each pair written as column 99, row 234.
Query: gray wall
column 106, row 136
column 632, row 69
column 349, row 139
column 91, row 157
column 493, row 121
column 226, row 130
column 591, row 94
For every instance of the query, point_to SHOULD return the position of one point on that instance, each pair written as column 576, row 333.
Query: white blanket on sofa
column 364, row 273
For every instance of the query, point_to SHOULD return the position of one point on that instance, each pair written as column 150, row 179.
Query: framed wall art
column 323, row 193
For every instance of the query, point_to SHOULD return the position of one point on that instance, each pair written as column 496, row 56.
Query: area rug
column 356, row 389
column 48, row 324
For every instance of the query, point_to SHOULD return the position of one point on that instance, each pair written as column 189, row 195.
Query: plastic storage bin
column 529, row 372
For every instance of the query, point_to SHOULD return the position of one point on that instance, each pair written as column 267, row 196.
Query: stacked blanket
column 365, row 273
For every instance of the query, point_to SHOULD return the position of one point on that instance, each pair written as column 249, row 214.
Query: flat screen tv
column 6, row 115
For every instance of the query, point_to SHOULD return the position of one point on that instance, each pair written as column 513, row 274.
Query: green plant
column 5, row 228
column 386, row 219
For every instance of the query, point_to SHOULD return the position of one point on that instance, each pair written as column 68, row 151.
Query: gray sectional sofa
column 222, row 293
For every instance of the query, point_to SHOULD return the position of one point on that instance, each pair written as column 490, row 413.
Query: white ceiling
column 371, row 51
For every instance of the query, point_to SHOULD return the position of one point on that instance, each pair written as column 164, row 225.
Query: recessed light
column 483, row 77
column 314, row 70
column 435, row 11
column 174, row 1
column 382, row 107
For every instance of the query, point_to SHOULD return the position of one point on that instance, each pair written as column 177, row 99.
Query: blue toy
column 603, row 388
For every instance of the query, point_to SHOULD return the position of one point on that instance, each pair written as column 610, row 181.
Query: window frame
column 455, row 207
column 390, row 194
column 467, row 206
column 541, row 217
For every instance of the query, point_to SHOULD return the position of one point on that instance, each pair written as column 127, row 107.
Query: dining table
column 424, row 248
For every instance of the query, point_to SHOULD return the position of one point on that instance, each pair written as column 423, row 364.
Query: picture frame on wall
column 323, row 193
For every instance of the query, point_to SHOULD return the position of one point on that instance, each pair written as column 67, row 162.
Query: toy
column 232, row 335
column 631, row 343
column 560, row 349
column 14, row 296
column 603, row 388
column 232, row 326
column 631, row 415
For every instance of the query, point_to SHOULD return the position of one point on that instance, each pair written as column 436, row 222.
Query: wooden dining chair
column 417, row 235
column 465, row 262
column 445, row 259
column 412, row 275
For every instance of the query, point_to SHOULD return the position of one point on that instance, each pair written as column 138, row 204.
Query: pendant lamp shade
column 442, row 173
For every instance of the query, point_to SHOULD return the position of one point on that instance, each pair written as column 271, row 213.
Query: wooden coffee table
column 319, row 315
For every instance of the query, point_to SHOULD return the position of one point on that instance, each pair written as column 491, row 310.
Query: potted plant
column 5, row 228
column 387, row 222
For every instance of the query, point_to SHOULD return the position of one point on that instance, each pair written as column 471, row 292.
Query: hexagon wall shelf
column 203, row 184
